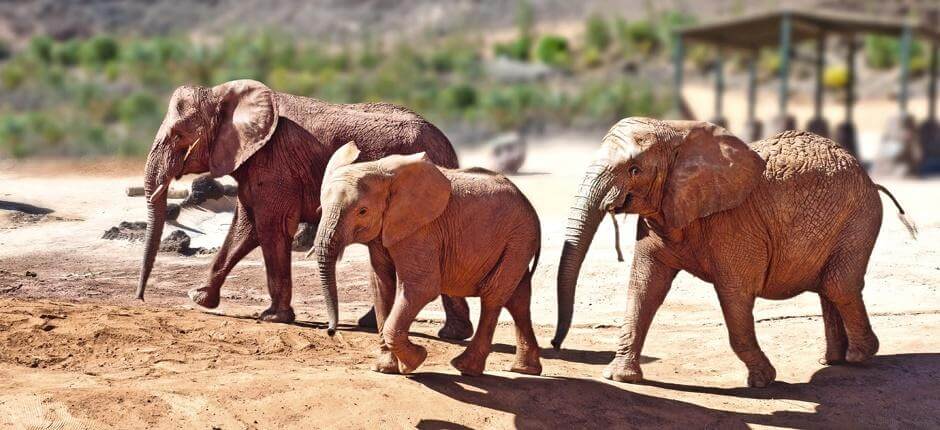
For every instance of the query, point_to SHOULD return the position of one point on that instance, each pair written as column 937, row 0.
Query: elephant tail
column 905, row 219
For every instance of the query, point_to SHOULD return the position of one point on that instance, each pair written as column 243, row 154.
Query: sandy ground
column 77, row 350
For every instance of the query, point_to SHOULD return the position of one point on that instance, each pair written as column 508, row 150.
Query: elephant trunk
column 584, row 216
column 155, row 187
column 327, row 248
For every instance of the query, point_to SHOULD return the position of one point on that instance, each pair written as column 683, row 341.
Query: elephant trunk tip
column 331, row 329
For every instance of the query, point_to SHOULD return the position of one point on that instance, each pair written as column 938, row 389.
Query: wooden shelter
column 783, row 29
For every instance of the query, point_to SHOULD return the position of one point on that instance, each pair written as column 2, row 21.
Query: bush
column 67, row 53
column 553, row 50
column 40, row 47
column 638, row 37
column 597, row 34
column 5, row 51
column 881, row 52
column 518, row 49
column 136, row 107
column 460, row 96
column 836, row 77
column 591, row 58
column 12, row 75
column 99, row 51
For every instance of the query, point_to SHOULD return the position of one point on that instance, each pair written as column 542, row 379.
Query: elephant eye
column 362, row 211
column 634, row 170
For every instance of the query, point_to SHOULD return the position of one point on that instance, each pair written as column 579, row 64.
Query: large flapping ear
column 418, row 194
column 247, row 119
column 713, row 171
column 343, row 156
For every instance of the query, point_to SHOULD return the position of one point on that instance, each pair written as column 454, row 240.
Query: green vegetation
column 884, row 52
column 105, row 95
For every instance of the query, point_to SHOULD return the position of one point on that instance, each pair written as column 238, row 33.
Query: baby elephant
column 432, row 230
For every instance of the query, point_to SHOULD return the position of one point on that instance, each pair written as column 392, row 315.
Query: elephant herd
column 782, row 216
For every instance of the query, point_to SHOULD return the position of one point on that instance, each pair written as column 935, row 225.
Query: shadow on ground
column 892, row 391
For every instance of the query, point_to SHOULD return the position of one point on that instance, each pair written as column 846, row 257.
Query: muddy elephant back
column 800, row 153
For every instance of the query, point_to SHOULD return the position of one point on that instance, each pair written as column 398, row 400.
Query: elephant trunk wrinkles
column 154, row 176
column 326, row 249
column 583, row 218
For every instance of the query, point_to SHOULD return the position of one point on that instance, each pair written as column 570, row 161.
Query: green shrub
column 460, row 96
column 13, row 74
column 638, row 37
column 13, row 136
column 99, row 50
column 67, row 53
column 591, row 58
column 518, row 49
column 597, row 34
column 553, row 50
column 136, row 107
column 40, row 47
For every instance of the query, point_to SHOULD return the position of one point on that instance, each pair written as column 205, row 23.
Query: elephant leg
column 862, row 342
column 276, row 234
column 836, row 340
column 649, row 282
column 527, row 347
column 413, row 295
column 457, row 325
column 241, row 240
column 738, row 309
column 472, row 361
column 383, row 284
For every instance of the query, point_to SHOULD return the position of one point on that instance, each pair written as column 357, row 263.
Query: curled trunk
column 583, row 218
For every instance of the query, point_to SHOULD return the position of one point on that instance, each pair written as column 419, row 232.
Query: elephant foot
column 456, row 330
column 861, row 351
column 410, row 358
column 367, row 320
column 527, row 368
column 285, row 316
column 761, row 376
column 622, row 369
column 469, row 364
column 205, row 297
column 833, row 356
column 386, row 362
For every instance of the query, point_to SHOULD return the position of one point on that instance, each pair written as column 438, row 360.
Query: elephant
column 276, row 146
column 788, row 214
column 431, row 230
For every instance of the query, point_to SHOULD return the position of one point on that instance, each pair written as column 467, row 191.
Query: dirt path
column 77, row 350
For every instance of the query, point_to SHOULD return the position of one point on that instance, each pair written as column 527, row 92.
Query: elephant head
column 387, row 200
column 669, row 172
column 205, row 129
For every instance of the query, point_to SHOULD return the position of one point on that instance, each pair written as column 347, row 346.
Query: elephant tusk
column 190, row 150
column 158, row 192
column 310, row 252
column 613, row 217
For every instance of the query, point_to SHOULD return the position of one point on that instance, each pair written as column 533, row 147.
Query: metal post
column 678, row 61
column 845, row 133
column 820, row 69
column 752, row 88
column 818, row 123
column 932, row 82
column 785, row 26
column 754, row 129
column 719, row 119
column 906, row 40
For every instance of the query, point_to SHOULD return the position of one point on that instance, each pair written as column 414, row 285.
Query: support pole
column 818, row 123
column 754, row 129
column 678, row 58
column 784, row 121
column 845, row 133
column 719, row 119
column 906, row 41
column 900, row 153
column 930, row 129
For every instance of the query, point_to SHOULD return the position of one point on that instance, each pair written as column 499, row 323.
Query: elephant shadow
column 24, row 207
column 889, row 391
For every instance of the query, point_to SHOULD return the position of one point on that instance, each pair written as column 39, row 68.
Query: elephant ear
column 247, row 118
column 418, row 194
column 713, row 171
column 343, row 156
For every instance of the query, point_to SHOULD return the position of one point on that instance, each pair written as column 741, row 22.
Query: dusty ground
column 78, row 351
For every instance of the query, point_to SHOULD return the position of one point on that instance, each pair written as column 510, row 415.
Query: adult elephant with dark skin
column 789, row 214
column 276, row 146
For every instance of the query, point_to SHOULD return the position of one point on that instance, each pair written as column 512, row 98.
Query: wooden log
column 138, row 191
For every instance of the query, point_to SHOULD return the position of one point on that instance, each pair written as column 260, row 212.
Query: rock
column 177, row 241
column 303, row 240
column 204, row 188
column 130, row 231
column 172, row 211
